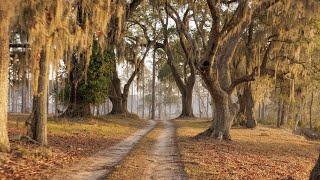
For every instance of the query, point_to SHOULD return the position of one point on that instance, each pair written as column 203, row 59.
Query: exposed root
column 25, row 138
column 184, row 116
column 211, row 133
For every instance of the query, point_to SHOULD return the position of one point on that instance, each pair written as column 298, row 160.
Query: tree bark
column 40, row 110
column 249, row 113
column 223, row 119
column 240, row 118
column 119, row 105
column 77, row 106
column 187, row 110
column 117, row 98
column 4, row 71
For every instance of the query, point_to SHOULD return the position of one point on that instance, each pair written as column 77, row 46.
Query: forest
column 160, row 89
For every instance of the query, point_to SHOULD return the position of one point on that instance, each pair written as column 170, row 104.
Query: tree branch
column 243, row 79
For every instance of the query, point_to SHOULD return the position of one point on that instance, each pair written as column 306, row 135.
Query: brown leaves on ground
column 69, row 141
column 261, row 153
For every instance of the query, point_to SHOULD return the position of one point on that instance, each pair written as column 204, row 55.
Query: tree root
column 25, row 138
column 211, row 133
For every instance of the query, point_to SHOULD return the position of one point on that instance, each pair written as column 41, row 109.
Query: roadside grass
column 70, row 140
column 260, row 153
column 135, row 165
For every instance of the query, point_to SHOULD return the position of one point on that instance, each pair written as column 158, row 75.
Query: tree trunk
column 245, row 116
column 187, row 110
column 40, row 110
column 77, row 106
column 119, row 105
column 118, row 100
column 240, row 118
column 225, row 113
column 249, row 113
column 4, row 71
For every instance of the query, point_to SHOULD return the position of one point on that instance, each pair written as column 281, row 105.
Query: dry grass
column 69, row 141
column 262, row 153
column 136, row 163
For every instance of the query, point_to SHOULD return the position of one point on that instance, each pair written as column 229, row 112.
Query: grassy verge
column 262, row 153
column 69, row 141
column 135, row 165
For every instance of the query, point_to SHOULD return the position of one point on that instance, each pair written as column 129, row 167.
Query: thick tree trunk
column 4, row 67
column 117, row 98
column 40, row 110
column 245, row 116
column 225, row 113
column 119, row 105
column 187, row 110
column 77, row 106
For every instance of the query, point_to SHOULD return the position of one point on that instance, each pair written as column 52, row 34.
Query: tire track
column 165, row 161
column 102, row 163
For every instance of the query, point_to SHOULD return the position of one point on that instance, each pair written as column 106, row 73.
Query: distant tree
column 94, row 89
